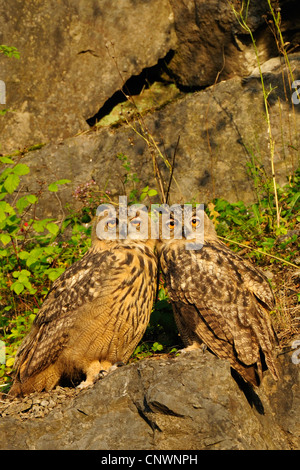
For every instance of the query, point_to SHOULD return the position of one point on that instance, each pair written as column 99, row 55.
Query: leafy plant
column 131, row 179
column 34, row 252
column 242, row 16
column 251, row 226
column 30, row 255
column 9, row 51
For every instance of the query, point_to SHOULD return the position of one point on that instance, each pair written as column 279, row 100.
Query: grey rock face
column 190, row 402
column 223, row 132
column 73, row 57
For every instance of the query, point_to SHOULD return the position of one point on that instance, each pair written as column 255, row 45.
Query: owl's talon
column 119, row 364
column 102, row 374
column 84, row 384
column 193, row 347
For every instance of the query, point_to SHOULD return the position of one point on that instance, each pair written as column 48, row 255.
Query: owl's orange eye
column 195, row 222
column 171, row 224
column 136, row 223
column 111, row 223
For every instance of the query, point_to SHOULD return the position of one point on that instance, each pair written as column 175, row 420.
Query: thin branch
column 258, row 251
column 172, row 170
column 242, row 20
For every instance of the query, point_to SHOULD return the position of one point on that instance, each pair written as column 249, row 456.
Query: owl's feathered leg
column 103, row 373
column 92, row 372
column 45, row 380
column 98, row 370
column 193, row 347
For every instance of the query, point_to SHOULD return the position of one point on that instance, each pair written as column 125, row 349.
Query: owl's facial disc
column 107, row 223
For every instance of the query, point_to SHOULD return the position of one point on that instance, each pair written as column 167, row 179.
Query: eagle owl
column 97, row 311
column 218, row 298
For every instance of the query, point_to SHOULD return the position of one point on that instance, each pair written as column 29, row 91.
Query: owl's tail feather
column 45, row 380
column 251, row 374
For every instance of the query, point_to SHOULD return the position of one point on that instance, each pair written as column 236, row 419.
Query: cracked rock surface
column 188, row 402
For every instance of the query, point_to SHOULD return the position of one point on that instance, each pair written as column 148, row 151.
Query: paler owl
column 218, row 298
column 97, row 311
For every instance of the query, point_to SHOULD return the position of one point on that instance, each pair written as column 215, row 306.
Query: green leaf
column 25, row 272
column 294, row 200
column 10, row 362
column 147, row 192
column 21, row 169
column 5, row 238
column 22, row 203
column 29, row 287
column 10, row 51
column 17, row 287
column 34, row 256
column 6, row 160
column 37, row 252
column 63, row 181
column 23, row 278
column 256, row 212
column 162, row 295
column 157, row 347
column 237, row 221
column 52, row 228
column 25, row 201
column 54, row 273
column 6, row 207
column 7, row 171
column 11, row 183
column 32, row 198
column 31, row 317
column 53, row 187
column 39, row 226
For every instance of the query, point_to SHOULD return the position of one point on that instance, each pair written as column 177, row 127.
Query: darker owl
column 218, row 298
column 97, row 310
